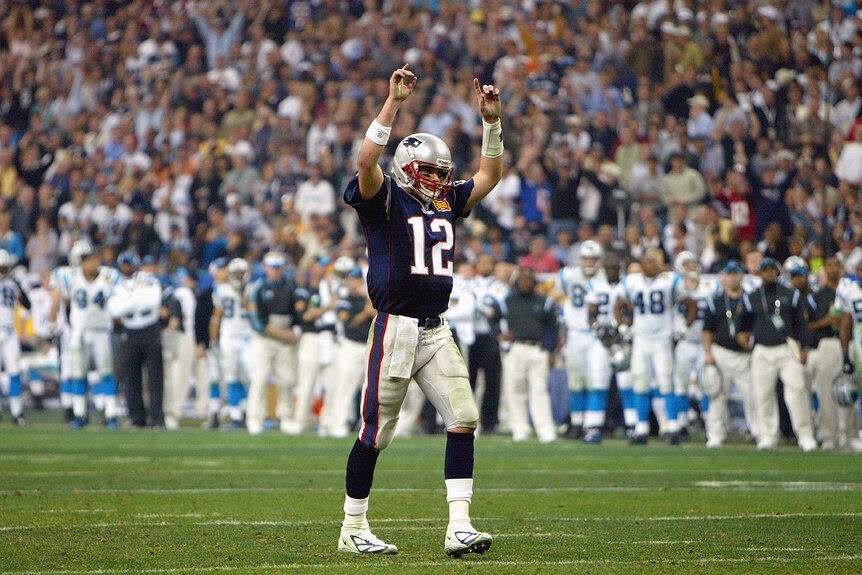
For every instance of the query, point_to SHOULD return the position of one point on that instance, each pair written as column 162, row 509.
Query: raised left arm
column 491, row 162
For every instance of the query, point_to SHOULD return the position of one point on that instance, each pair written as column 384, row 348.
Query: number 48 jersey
column 653, row 300
column 88, row 299
column 410, row 246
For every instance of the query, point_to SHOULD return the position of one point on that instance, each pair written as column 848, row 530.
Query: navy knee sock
column 459, row 456
column 360, row 470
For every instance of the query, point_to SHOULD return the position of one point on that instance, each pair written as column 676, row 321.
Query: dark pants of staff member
column 143, row 348
column 485, row 355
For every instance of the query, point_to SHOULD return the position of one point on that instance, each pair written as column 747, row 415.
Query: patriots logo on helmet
column 412, row 142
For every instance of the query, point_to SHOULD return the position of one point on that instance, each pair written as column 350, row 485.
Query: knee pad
column 463, row 406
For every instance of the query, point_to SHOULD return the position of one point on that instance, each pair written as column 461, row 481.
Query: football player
column 86, row 286
column 231, row 328
column 586, row 357
column 11, row 294
column 848, row 302
column 651, row 295
column 409, row 222
column 218, row 270
column 689, row 352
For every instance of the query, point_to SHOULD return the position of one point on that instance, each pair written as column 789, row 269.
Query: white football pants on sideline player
column 269, row 356
column 823, row 368
column 767, row 365
column 526, row 372
column 178, row 353
column 735, row 370
column 309, row 366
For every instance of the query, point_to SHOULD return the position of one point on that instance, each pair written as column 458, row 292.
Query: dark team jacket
column 272, row 298
column 717, row 322
column 348, row 308
column 410, row 246
column 757, row 311
column 532, row 319
column 818, row 305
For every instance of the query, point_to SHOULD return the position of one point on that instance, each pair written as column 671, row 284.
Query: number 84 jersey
column 88, row 299
column 653, row 300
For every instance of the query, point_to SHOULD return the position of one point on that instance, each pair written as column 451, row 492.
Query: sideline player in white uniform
column 848, row 302
column 689, row 352
column 218, row 270
column 587, row 365
column 11, row 294
column 652, row 295
column 44, row 357
column 86, row 288
column 231, row 328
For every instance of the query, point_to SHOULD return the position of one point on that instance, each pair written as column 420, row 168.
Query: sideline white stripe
column 784, row 485
column 433, row 520
column 424, row 564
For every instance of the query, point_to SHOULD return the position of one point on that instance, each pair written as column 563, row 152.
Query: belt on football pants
column 430, row 322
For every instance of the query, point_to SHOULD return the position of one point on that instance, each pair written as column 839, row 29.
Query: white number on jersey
column 439, row 265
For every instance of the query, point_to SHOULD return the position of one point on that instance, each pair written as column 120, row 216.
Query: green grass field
column 96, row 502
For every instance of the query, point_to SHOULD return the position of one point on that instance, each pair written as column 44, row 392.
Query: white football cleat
column 462, row 538
column 363, row 542
column 808, row 444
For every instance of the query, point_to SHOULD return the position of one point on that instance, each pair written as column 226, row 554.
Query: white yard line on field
column 425, row 564
column 782, row 485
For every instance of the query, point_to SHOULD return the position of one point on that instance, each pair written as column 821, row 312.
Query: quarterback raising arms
column 409, row 223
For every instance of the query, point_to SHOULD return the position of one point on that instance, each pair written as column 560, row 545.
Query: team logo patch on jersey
column 442, row 205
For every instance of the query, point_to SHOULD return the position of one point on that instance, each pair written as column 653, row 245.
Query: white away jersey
column 235, row 322
column 605, row 297
column 848, row 299
column 706, row 289
column 580, row 291
column 88, row 300
column 9, row 292
column 653, row 300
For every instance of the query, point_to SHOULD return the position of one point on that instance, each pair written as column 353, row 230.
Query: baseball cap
column 356, row 272
column 732, row 267
column 130, row 258
column 769, row 262
column 798, row 271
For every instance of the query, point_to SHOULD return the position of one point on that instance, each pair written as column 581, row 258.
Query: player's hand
column 709, row 359
column 848, row 367
column 803, row 356
column 489, row 101
column 401, row 84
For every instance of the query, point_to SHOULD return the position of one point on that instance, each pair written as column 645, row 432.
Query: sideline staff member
column 770, row 315
column 136, row 303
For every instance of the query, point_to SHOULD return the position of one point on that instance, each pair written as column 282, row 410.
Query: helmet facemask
column 427, row 186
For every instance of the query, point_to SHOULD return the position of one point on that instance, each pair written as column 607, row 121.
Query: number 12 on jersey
column 439, row 265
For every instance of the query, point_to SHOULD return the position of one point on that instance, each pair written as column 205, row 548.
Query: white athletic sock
column 459, row 493
column 79, row 405
column 354, row 512
column 37, row 388
column 577, row 418
column 16, row 407
column 631, row 416
column 642, row 428
column 110, row 406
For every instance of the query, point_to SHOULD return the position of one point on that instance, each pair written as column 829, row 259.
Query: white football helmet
column 687, row 265
column 795, row 263
column 845, row 391
column 592, row 251
column 7, row 260
column 238, row 273
column 81, row 250
column 343, row 265
column 417, row 153
column 710, row 381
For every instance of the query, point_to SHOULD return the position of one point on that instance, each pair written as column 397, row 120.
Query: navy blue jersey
column 410, row 246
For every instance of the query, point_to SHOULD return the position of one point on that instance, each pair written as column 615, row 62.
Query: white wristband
column 492, row 139
column 378, row 133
